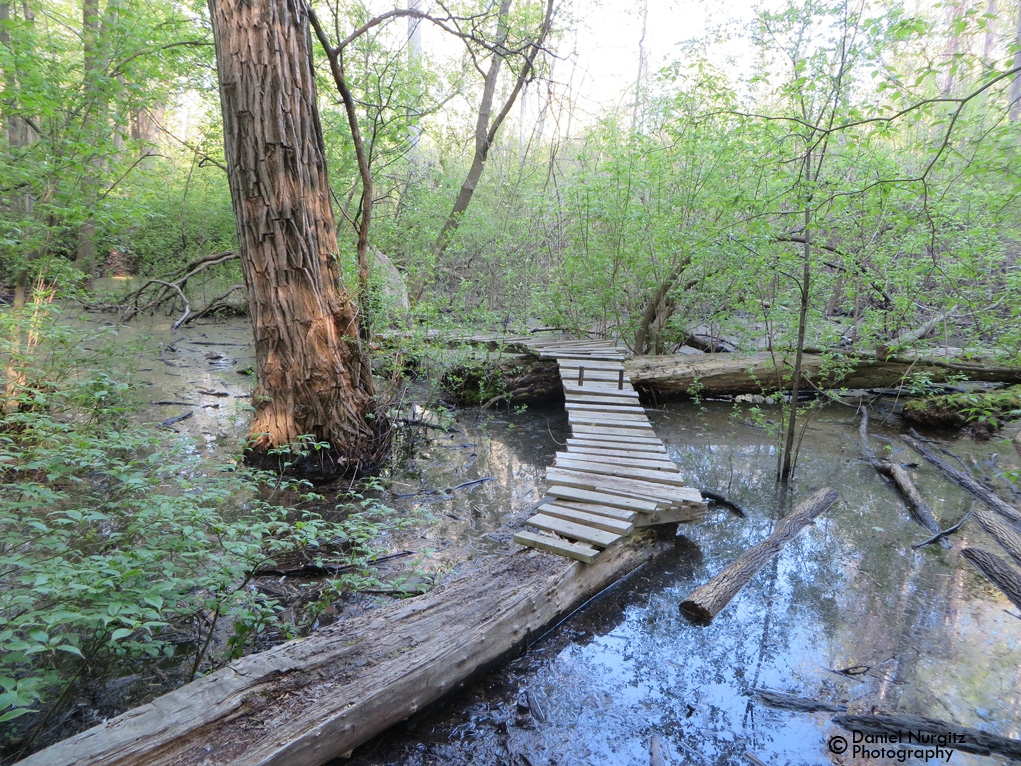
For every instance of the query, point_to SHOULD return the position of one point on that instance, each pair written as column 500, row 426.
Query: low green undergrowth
column 986, row 410
column 121, row 548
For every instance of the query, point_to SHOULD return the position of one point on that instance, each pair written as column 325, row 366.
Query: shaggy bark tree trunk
column 313, row 374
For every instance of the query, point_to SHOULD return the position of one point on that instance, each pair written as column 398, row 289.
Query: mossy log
column 723, row 374
column 308, row 701
column 987, row 409
column 514, row 378
column 999, row 571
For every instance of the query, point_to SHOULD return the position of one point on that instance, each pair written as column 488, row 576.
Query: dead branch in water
column 920, row 510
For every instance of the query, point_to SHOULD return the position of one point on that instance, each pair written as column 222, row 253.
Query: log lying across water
column 967, row 482
column 920, row 510
column 707, row 601
column 311, row 700
column 1000, row 572
column 718, row 374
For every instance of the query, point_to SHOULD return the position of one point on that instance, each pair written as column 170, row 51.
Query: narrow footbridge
column 614, row 476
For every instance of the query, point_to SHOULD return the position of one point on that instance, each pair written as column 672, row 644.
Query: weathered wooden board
column 580, row 396
column 597, row 407
column 622, row 457
column 617, row 484
column 599, row 415
column 614, row 459
column 631, row 425
column 597, row 537
column 672, row 478
column 572, row 364
column 606, row 498
column 602, row 377
column 639, row 432
column 559, row 546
column 608, row 358
column 683, row 515
column 600, row 389
column 594, row 520
column 617, row 514
column 311, row 700
column 613, row 443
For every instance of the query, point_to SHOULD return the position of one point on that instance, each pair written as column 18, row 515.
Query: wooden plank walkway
column 614, row 476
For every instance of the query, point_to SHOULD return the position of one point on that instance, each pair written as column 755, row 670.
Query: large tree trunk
column 313, row 374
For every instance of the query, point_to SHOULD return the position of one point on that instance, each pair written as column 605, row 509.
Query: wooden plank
column 593, row 520
column 605, row 498
column 598, row 416
column 600, row 538
column 618, row 514
column 681, row 515
column 673, row 478
column 652, row 461
column 598, row 389
column 607, row 422
column 576, row 551
column 613, row 443
column 571, row 363
column 599, row 407
column 605, row 377
column 638, row 432
column 632, row 436
column 582, row 397
column 619, row 485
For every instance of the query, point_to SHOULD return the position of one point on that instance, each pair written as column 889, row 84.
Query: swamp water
column 847, row 612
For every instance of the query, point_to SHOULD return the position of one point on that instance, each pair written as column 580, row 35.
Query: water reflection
column 847, row 612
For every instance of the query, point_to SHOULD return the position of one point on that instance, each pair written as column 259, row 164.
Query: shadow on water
column 848, row 612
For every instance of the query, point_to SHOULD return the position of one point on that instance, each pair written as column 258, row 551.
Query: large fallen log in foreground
column 308, row 701
column 718, row 374
column 706, row 601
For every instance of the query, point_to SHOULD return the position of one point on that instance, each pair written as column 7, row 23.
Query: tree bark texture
column 674, row 375
column 967, row 739
column 1000, row 572
column 967, row 482
column 707, row 601
column 313, row 374
column 311, row 700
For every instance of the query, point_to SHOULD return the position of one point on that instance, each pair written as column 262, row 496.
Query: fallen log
column 719, row 374
column 785, row 701
column 516, row 379
column 1000, row 573
column 919, row 509
column 307, row 701
column 944, row 734
column 707, row 601
column 1008, row 537
column 967, row 482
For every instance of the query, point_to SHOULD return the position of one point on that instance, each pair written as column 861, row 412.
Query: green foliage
column 116, row 541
